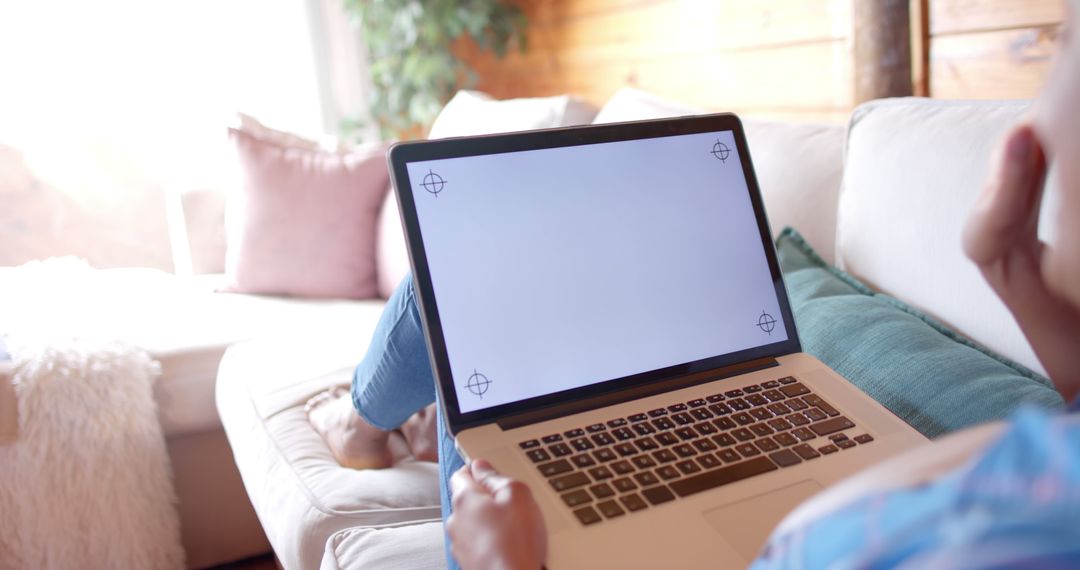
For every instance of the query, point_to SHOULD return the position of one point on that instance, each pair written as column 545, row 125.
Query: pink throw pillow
column 302, row 221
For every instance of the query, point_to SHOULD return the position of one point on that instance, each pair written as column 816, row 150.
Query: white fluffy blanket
column 87, row 484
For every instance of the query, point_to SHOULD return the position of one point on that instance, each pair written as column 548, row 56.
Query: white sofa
column 884, row 199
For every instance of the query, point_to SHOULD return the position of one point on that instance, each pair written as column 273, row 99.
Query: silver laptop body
column 607, row 321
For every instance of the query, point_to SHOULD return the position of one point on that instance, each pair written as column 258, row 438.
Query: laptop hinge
column 626, row 395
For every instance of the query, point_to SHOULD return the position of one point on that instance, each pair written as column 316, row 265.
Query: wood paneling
column 991, row 49
column 777, row 58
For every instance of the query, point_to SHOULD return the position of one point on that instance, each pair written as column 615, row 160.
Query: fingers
column 1007, row 213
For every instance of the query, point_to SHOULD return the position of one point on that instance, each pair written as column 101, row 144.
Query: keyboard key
column 623, row 433
column 805, row 451
column 793, row 390
column 747, row 449
column 832, row 426
column 803, row 434
column 603, row 438
column 779, row 409
column 575, row 498
column 569, row 481
column 770, row 384
column 752, row 389
column 663, row 423
column 529, row 444
column 600, row 473
column 705, row 428
column 701, row 414
column 595, row 428
column 722, row 476
column 610, row 509
column 714, row 398
column 864, row 438
column 625, row 449
column 657, row 412
column 644, row 428
column 682, row 419
column 743, row 434
column 779, row 424
column 666, row 438
column 704, row 445
column 785, row 458
column 604, row 455
column 664, row 456
column 708, row 461
column 724, row 440
column 827, row 449
column 633, row 502
column 797, row 419
column 684, row 450
column 574, row 433
column 584, row 460
column 738, row 404
column 561, row 450
column 587, row 516
column 720, row 409
column 756, row 400
column 785, row 439
column 624, row 484
column 688, row 467
column 686, row 434
column 825, row 407
column 622, row 467
column 845, row 444
column 581, row 444
column 677, row 408
column 667, row 472
column 815, row 414
column 538, row 455
column 696, row 403
column 554, row 468
column 602, row 491
column 743, row 418
column 647, row 444
column 724, row 423
column 643, row 462
column 796, row 404
column 787, row 380
column 733, row 393
column 766, row 444
column 761, row 430
column 657, row 495
column 552, row 438
column 838, row 436
column 638, row 418
column 728, row 455
column 773, row 395
column 646, row 478
column 617, row 422
column 761, row 414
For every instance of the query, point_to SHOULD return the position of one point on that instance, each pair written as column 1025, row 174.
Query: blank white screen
column 558, row 268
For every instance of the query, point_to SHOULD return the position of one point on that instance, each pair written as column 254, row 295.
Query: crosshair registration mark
column 478, row 384
column 720, row 151
column 433, row 183
column 766, row 323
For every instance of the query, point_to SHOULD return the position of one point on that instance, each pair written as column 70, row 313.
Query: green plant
column 413, row 68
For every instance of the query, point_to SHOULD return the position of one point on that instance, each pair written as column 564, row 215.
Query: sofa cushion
column 914, row 167
column 409, row 547
column 799, row 166
column 931, row 377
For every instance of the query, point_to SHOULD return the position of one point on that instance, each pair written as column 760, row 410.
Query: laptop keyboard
column 628, row 464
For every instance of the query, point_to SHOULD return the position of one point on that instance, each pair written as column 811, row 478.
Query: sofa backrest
column 914, row 167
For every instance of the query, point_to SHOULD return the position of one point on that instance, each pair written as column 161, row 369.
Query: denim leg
column 449, row 463
column 394, row 380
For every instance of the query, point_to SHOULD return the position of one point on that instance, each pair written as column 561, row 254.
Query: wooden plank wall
column 990, row 49
column 785, row 59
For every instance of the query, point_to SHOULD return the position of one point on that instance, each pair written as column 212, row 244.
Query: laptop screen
column 558, row 268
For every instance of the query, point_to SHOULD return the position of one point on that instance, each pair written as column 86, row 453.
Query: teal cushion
column 932, row 377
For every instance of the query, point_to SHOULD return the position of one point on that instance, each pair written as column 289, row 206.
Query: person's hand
column 1001, row 237
column 495, row 523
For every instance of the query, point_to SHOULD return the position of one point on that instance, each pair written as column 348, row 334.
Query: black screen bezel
column 403, row 153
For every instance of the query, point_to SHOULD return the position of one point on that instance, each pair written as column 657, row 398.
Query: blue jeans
column 394, row 381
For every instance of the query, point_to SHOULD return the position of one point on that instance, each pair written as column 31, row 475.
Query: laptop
column 607, row 322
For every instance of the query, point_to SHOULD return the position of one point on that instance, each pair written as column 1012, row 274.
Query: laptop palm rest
column 746, row 524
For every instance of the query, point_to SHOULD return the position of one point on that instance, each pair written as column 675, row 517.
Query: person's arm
column 496, row 524
column 1001, row 237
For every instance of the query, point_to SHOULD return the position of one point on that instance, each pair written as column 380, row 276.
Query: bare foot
column 352, row 441
column 420, row 432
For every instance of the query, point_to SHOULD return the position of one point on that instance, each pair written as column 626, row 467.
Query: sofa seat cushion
column 300, row 493
column 411, row 547
column 925, row 373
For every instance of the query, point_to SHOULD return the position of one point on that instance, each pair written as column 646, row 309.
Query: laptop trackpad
column 746, row 525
